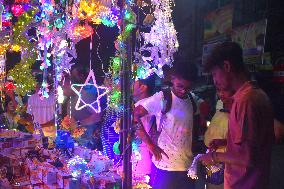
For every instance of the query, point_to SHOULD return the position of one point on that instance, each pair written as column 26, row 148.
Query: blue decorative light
column 64, row 140
column 78, row 167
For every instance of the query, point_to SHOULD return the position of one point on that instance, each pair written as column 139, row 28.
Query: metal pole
column 127, row 111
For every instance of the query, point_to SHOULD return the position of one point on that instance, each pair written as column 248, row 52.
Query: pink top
column 250, row 135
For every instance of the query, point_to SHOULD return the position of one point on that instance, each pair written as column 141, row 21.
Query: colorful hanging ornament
column 22, row 1
column 6, row 17
column 82, row 32
column 17, row 10
column 161, row 42
column 16, row 48
column 98, row 12
column 3, row 48
column 90, row 81
column 9, row 86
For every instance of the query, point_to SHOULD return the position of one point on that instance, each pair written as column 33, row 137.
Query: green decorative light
column 141, row 72
column 115, row 96
column 129, row 28
column 116, row 63
column 127, row 15
column 116, row 148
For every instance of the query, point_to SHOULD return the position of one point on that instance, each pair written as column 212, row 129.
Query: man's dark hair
column 187, row 71
column 38, row 78
column 227, row 51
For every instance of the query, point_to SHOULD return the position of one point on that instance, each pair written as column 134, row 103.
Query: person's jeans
column 162, row 179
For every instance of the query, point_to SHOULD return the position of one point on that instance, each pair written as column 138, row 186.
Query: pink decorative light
column 17, row 10
column 22, row 1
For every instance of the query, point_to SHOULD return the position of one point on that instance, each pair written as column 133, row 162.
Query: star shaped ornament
column 90, row 82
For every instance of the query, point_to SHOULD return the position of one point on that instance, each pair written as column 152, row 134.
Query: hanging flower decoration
column 69, row 124
column 93, row 11
column 98, row 12
column 82, row 32
column 78, row 132
column 17, row 10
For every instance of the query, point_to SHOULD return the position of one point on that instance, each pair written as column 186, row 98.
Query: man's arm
column 226, row 157
column 139, row 112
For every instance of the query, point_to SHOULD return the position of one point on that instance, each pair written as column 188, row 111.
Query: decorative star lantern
column 90, row 81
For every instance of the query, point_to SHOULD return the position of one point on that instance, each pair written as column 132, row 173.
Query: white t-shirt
column 43, row 110
column 176, row 131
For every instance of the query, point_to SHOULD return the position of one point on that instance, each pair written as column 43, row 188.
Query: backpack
column 154, row 134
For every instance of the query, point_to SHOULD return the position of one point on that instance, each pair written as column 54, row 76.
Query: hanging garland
column 22, row 73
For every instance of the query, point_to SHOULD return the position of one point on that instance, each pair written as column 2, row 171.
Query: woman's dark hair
column 226, row 51
column 6, row 102
column 150, row 83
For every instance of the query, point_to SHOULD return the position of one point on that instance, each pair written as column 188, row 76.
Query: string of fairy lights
column 47, row 31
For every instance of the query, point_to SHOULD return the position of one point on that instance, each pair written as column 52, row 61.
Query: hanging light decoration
column 82, row 32
column 22, row 1
column 17, row 10
column 161, row 42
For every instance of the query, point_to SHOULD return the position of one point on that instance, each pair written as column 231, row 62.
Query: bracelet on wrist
column 138, row 126
column 214, row 157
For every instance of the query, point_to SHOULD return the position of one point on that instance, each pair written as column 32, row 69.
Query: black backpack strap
column 194, row 106
column 168, row 100
column 153, row 124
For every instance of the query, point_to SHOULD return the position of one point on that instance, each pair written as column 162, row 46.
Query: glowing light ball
column 83, row 31
column 77, row 167
column 16, row 48
column 3, row 48
column 116, row 148
column 22, row 1
column 17, row 10
column 9, row 86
